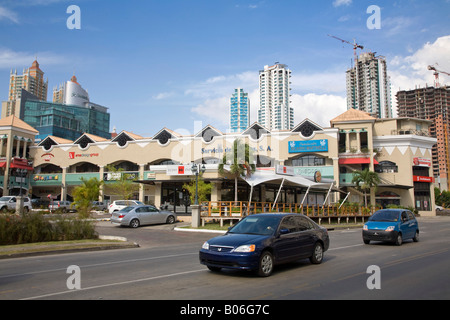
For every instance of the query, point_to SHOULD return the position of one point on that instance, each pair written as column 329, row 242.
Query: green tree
column 240, row 161
column 84, row 194
column 204, row 189
column 365, row 180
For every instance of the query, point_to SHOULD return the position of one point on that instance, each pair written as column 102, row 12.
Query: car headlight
column 205, row 245
column 365, row 227
column 390, row 228
column 245, row 248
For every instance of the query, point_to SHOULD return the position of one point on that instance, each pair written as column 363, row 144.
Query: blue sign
column 308, row 146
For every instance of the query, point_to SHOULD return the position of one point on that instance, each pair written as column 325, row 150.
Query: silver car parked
column 136, row 216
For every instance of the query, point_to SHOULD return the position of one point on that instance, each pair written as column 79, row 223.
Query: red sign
column 423, row 179
column 180, row 169
column 421, row 162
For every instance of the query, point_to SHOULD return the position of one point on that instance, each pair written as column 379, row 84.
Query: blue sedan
column 260, row 241
column 392, row 225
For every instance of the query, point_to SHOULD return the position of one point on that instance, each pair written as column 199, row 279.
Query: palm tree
column 365, row 180
column 239, row 159
column 84, row 194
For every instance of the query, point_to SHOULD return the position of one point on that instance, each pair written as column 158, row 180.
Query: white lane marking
column 113, row 284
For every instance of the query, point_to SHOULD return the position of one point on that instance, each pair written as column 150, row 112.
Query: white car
column 9, row 203
column 120, row 204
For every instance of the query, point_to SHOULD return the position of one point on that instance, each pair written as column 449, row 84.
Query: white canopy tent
column 262, row 177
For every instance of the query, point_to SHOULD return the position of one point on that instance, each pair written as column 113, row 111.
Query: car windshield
column 385, row 215
column 5, row 198
column 127, row 209
column 261, row 225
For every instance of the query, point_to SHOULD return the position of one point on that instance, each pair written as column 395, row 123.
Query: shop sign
column 115, row 176
column 73, row 155
column 423, row 179
column 421, row 162
column 179, row 170
column 286, row 170
column 325, row 171
column 308, row 146
column 220, row 149
column 47, row 156
column 46, row 177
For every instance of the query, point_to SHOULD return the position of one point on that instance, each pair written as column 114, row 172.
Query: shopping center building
column 398, row 149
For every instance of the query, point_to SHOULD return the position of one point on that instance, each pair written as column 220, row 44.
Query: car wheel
column 366, row 241
column 416, row 236
column 4, row 209
column 134, row 223
column 317, row 256
column 26, row 210
column 170, row 220
column 399, row 240
column 265, row 264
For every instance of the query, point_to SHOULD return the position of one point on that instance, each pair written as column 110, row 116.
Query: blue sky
column 171, row 63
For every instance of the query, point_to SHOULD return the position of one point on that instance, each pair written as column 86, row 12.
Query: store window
column 308, row 161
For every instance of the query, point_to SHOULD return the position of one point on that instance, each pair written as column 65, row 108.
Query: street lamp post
column 196, row 169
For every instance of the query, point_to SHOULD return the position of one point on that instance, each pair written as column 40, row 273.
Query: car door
column 144, row 215
column 414, row 225
column 157, row 216
column 285, row 243
column 405, row 226
column 306, row 237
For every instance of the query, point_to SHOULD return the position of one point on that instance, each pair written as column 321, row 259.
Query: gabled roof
column 13, row 121
column 164, row 135
column 92, row 137
column 54, row 141
column 208, row 133
column 307, row 122
column 255, row 131
column 353, row 115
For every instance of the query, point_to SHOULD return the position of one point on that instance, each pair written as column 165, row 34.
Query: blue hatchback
column 260, row 241
column 393, row 225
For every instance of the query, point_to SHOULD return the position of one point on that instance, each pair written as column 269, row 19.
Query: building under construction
column 368, row 86
column 431, row 103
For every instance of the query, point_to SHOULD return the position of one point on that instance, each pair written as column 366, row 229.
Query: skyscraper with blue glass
column 239, row 111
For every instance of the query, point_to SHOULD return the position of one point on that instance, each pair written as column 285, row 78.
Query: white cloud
column 163, row 95
column 10, row 59
column 338, row 3
column 6, row 14
column 408, row 72
column 320, row 108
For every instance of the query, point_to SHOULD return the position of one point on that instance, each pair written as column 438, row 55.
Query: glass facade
column 239, row 111
column 66, row 121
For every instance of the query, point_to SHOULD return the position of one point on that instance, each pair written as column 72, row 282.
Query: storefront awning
column 20, row 166
column 356, row 161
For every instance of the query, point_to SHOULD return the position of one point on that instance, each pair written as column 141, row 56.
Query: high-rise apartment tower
column 239, row 111
column 31, row 80
column 274, row 111
column 368, row 86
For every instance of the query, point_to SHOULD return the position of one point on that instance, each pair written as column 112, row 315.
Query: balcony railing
column 236, row 210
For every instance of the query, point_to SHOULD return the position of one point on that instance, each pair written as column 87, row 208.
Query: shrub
column 35, row 227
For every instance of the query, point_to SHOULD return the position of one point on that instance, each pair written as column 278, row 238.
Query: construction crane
column 436, row 75
column 354, row 44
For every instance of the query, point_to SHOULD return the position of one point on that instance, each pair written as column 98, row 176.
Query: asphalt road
column 166, row 267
